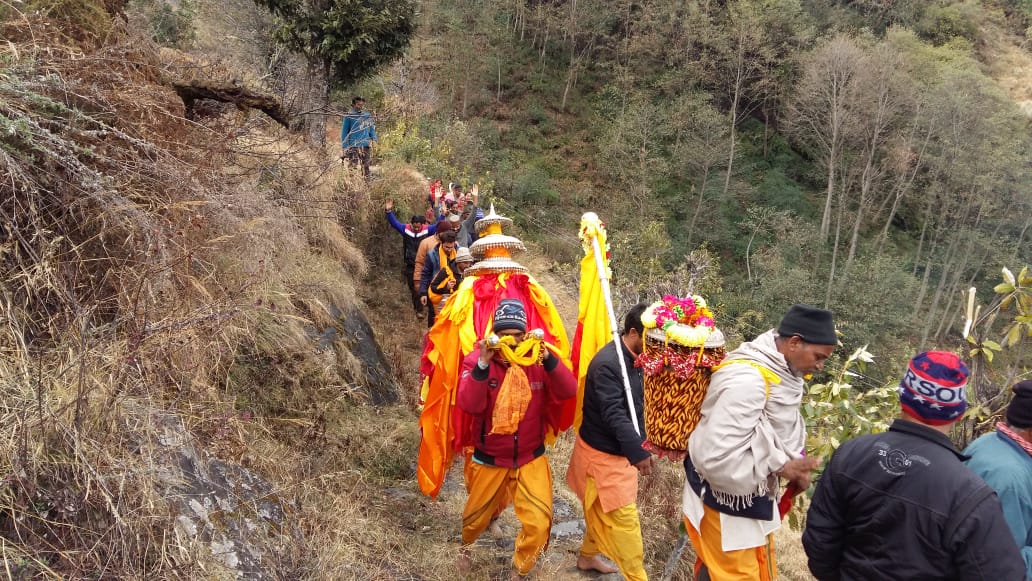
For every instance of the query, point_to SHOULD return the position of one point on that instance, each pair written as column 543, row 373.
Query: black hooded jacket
column 902, row 505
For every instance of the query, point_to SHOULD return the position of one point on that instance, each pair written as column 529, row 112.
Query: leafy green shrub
column 941, row 24
column 535, row 116
column 533, row 185
column 1019, row 12
column 84, row 21
column 173, row 26
column 407, row 141
column 168, row 25
column 836, row 411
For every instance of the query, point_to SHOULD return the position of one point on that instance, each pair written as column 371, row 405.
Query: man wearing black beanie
column 749, row 439
column 1004, row 460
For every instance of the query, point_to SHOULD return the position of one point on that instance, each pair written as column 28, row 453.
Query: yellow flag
column 593, row 325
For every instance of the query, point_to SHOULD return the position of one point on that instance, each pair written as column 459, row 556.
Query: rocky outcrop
column 359, row 357
column 225, row 509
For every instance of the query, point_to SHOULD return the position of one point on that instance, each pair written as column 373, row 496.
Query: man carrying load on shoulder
column 750, row 435
column 509, row 404
column 608, row 457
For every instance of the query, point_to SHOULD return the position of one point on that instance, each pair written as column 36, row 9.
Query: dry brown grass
column 152, row 265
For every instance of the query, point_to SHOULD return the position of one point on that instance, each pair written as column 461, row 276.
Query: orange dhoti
column 608, row 486
column 753, row 564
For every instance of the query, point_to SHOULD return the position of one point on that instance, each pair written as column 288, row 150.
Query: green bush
column 168, row 25
column 87, row 22
column 173, row 26
column 942, row 24
column 533, row 185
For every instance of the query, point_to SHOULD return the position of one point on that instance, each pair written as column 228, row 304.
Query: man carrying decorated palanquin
column 751, row 435
column 509, row 403
column 608, row 456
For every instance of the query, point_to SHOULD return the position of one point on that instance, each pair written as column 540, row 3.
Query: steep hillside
column 191, row 388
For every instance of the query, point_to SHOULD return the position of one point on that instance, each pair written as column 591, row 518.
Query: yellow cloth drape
column 594, row 329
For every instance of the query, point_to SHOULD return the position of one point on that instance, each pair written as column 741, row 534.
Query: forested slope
column 860, row 156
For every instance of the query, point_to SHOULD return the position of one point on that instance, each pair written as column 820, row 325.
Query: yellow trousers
column 756, row 564
column 616, row 534
column 490, row 489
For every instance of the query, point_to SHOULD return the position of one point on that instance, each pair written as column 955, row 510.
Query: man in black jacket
column 902, row 505
column 411, row 235
column 608, row 457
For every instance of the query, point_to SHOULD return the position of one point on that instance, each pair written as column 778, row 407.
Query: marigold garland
column 527, row 352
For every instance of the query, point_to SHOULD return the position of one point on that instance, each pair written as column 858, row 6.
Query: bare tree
column 819, row 114
column 880, row 102
column 700, row 144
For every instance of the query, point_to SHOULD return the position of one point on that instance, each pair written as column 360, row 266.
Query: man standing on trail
column 607, row 457
column 1004, row 460
column 411, row 235
column 357, row 135
column 750, row 435
column 448, row 278
column 437, row 258
column 901, row 504
column 509, row 402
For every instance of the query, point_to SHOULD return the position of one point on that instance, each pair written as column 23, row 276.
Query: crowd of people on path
column 905, row 504
column 435, row 245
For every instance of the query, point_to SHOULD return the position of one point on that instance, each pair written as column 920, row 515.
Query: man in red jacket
column 508, row 403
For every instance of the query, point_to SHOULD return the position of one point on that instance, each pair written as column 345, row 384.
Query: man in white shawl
column 750, row 436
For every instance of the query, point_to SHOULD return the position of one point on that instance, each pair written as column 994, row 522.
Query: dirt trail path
column 387, row 301
column 399, row 331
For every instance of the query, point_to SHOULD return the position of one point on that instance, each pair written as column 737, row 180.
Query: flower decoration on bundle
column 686, row 321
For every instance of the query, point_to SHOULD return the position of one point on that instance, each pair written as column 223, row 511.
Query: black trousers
column 410, row 269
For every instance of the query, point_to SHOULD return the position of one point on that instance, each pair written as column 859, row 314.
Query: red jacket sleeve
column 562, row 384
column 473, row 383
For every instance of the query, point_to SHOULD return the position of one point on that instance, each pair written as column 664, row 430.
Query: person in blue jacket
column 411, row 235
column 357, row 135
column 1004, row 460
